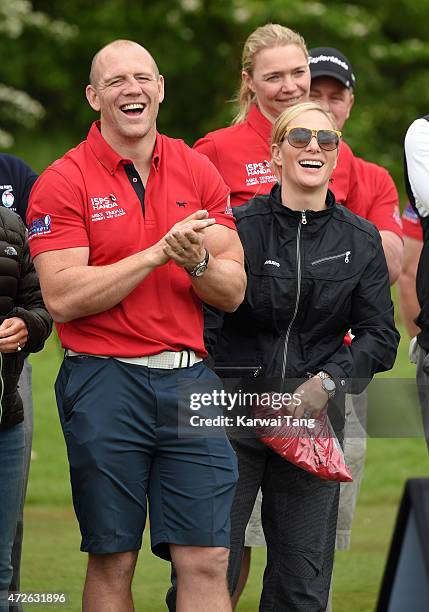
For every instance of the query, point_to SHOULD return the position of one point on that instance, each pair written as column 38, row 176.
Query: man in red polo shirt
column 130, row 232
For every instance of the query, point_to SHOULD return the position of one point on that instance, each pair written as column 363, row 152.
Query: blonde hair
column 264, row 37
column 282, row 122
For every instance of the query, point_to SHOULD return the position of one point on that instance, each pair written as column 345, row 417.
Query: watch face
column 200, row 270
column 329, row 385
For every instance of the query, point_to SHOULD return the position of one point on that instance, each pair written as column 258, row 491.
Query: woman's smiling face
column 311, row 166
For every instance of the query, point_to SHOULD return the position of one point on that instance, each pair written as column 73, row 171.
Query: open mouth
column 134, row 109
column 311, row 163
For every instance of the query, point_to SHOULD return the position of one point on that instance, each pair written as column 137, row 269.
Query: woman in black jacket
column 315, row 270
column 24, row 326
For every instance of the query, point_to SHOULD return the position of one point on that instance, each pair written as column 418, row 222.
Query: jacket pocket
column 346, row 256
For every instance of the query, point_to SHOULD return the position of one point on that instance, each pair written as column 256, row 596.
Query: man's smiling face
column 127, row 90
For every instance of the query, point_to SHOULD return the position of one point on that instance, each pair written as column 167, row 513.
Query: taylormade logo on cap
column 329, row 58
column 328, row 61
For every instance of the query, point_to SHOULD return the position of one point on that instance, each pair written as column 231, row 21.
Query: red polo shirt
column 379, row 200
column 411, row 224
column 88, row 199
column 242, row 155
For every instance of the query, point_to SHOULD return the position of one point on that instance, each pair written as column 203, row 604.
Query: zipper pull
column 303, row 218
column 257, row 372
column 347, row 259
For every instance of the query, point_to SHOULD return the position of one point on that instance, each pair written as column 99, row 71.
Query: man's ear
column 161, row 88
column 351, row 102
column 92, row 97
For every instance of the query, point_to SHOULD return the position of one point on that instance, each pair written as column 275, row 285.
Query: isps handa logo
column 104, row 202
column 39, row 227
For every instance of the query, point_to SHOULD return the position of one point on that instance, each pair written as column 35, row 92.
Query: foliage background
column 47, row 47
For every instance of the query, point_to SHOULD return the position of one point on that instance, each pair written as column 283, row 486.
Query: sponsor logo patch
column 10, row 250
column 410, row 215
column 39, row 227
column 228, row 209
column 7, row 198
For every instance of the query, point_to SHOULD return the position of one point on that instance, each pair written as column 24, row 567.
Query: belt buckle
column 179, row 359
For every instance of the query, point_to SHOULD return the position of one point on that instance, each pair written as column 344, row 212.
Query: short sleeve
column 384, row 210
column 55, row 215
column 207, row 147
column 411, row 224
column 215, row 195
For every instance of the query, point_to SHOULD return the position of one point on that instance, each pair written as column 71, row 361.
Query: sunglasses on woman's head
column 300, row 137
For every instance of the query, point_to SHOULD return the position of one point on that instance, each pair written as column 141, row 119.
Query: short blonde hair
column 264, row 37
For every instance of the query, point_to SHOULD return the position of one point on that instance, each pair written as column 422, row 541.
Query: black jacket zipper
column 303, row 221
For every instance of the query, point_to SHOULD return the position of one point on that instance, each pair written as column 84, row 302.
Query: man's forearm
column 83, row 290
column 408, row 303
column 222, row 285
column 393, row 249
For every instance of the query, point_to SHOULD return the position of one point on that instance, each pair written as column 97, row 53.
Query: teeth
column 310, row 163
column 134, row 106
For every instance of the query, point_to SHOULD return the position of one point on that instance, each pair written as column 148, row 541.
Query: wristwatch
column 201, row 267
column 328, row 383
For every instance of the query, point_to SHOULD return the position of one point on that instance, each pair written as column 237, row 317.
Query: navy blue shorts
column 120, row 423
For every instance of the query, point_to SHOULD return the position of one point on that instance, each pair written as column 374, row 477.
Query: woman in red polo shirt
column 275, row 75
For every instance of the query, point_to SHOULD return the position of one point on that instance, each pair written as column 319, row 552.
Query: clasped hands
column 184, row 242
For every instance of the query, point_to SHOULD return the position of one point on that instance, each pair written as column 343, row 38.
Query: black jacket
column 311, row 277
column 20, row 296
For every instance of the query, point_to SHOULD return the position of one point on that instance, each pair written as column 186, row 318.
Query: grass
column 52, row 561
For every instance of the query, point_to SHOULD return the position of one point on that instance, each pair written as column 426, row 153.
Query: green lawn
column 52, row 561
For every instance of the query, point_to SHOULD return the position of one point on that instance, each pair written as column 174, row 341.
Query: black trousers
column 299, row 516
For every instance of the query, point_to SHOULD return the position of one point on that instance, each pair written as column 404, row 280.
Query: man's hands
column 184, row 242
column 13, row 335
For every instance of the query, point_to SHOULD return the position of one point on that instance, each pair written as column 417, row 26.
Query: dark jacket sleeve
column 29, row 304
column 376, row 338
column 213, row 323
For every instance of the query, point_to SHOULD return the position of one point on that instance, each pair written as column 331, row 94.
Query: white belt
column 167, row 360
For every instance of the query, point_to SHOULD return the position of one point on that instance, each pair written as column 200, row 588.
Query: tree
column 17, row 106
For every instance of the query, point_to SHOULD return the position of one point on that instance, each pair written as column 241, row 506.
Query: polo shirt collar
column 259, row 122
column 109, row 158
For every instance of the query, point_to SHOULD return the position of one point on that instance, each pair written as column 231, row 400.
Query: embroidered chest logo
column 181, row 203
column 106, row 207
column 271, row 262
column 259, row 173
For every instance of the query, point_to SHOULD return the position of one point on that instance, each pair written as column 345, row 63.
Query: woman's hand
column 13, row 335
column 313, row 398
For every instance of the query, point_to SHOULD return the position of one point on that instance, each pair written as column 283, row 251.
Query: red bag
column 313, row 449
